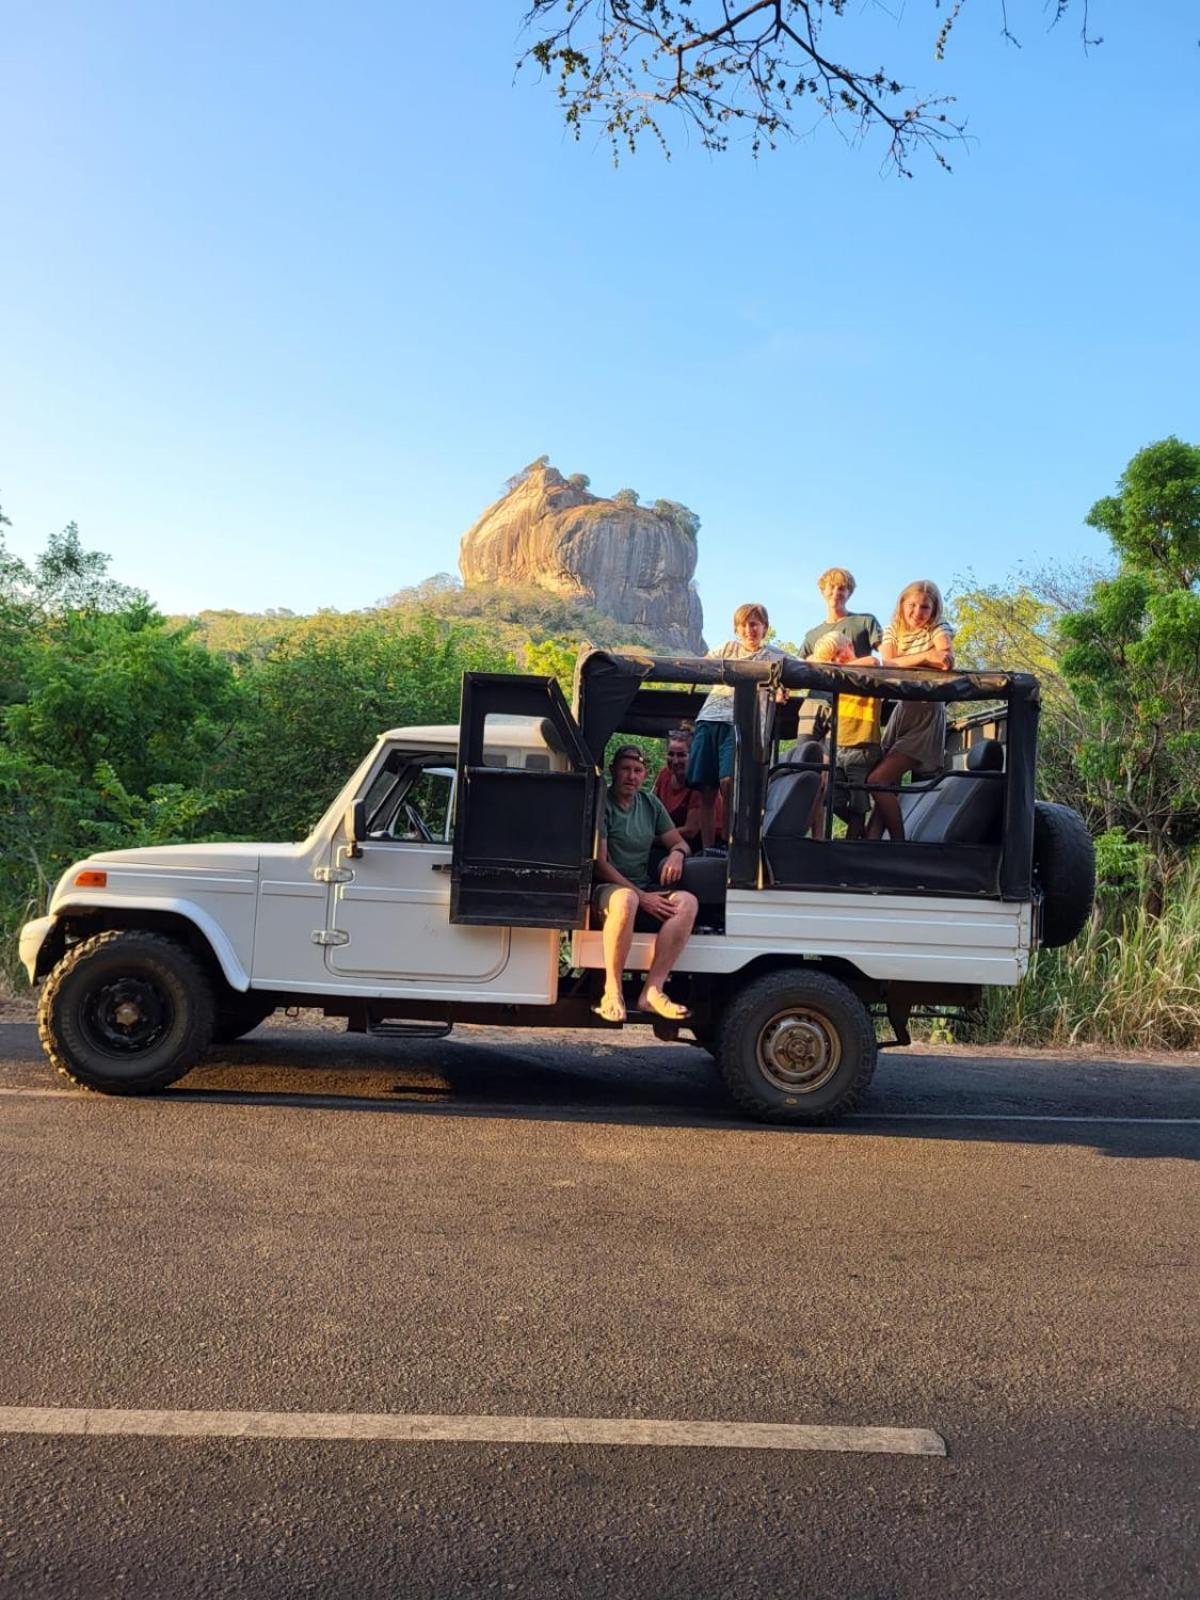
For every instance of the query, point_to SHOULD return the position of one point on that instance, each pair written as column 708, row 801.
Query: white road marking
column 265, row 1097
column 468, row 1430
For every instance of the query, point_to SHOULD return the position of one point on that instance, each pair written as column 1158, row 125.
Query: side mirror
column 355, row 823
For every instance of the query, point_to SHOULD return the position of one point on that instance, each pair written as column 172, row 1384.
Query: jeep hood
column 216, row 857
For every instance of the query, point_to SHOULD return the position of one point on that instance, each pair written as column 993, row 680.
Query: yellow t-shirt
column 857, row 719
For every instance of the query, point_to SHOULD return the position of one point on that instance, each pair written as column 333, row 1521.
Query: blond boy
column 858, row 738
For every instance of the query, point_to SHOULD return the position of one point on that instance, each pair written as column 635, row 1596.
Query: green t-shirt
column 631, row 833
column 860, row 627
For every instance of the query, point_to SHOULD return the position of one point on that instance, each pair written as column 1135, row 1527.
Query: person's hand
column 658, row 905
column 671, row 869
column 942, row 659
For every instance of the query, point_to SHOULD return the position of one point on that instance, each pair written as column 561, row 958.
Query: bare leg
column 668, row 947
column 817, row 821
column 708, row 818
column 618, row 936
column 887, row 814
column 726, row 795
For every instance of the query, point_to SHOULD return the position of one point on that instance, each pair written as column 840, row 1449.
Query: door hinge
column 334, row 875
column 330, row 936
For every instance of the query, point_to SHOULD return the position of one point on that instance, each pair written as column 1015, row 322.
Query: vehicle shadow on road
column 657, row 1085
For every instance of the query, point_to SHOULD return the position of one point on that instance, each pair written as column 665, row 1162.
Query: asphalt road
column 1004, row 1251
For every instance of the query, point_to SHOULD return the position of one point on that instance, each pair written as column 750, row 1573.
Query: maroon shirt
column 679, row 799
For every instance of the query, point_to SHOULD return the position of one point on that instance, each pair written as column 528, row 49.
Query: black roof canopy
column 607, row 683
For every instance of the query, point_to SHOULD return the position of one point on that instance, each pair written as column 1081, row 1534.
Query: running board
column 409, row 1030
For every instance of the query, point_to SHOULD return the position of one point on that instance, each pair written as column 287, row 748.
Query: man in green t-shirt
column 626, row 896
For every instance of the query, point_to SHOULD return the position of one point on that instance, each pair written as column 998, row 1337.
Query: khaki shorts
column 854, row 763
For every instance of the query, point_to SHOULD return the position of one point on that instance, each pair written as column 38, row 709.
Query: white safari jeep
column 439, row 884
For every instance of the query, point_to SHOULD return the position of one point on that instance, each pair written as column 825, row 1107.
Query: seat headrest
column 810, row 753
column 987, row 755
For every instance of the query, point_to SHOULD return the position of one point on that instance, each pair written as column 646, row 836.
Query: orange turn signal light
column 91, row 880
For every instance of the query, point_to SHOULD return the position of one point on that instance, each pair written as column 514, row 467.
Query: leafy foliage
column 1154, row 518
column 320, row 699
column 116, row 727
column 1118, row 657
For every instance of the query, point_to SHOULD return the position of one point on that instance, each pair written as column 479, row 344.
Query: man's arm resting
column 678, row 850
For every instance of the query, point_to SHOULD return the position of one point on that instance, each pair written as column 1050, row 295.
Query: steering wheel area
column 417, row 823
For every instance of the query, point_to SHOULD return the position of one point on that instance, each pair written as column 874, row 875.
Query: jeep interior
column 524, row 841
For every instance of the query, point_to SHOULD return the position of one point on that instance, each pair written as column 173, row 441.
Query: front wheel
column 126, row 1012
column 796, row 1046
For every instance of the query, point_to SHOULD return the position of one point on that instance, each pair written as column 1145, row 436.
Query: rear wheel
column 125, row 1012
column 796, row 1046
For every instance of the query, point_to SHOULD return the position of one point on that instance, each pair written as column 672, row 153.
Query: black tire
column 796, row 1046
column 1064, row 869
column 233, row 1019
column 125, row 1012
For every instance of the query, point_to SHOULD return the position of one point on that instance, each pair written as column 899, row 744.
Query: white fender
column 219, row 943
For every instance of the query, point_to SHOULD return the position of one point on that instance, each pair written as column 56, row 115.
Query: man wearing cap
column 626, row 896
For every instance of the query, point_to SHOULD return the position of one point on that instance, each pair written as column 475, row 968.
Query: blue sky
column 287, row 291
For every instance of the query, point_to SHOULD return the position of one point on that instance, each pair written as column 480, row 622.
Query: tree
column 116, row 726
column 1154, row 518
column 1133, row 662
column 518, row 478
column 686, row 521
column 762, row 66
column 1118, row 659
column 625, row 497
column 324, row 694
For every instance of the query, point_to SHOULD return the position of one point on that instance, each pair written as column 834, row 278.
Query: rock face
column 633, row 563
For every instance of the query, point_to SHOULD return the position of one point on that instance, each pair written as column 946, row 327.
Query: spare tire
column 1064, row 869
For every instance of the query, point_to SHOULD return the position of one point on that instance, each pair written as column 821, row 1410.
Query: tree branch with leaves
column 763, row 69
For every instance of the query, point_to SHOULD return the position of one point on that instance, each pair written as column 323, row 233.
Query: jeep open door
column 524, row 838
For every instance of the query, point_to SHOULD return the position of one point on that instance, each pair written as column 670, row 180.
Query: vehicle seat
column 963, row 810
column 914, row 800
column 790, row 795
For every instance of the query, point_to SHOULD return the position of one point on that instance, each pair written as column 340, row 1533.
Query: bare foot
column 655, row 1000
column 611, row 1008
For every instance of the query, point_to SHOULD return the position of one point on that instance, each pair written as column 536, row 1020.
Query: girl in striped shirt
column 915, row 738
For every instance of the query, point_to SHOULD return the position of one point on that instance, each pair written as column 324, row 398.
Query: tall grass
column 1129, row 980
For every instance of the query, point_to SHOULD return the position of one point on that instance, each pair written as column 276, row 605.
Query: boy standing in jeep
column 710, row 761
column 860, row 627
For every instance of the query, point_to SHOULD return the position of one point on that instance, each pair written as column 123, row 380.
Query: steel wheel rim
column 127, row 1018
column 799, row 1050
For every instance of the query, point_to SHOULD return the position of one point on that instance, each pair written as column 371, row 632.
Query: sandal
column 610, row 1009
column 662, row 1006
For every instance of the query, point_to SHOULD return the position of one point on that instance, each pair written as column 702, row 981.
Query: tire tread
column 200, row 1029
column 783, row 983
